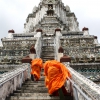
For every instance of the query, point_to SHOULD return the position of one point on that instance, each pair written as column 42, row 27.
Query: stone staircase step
column 48, row 58
column 41, row 77
column 34, row 82
column 68, row 97
column 34, row 98
column 48, row 51
column 30, row 94
column 35, row 85
column 51, row 49
column 33, row 88
column 45, row 57
column 47, row 47
column 46, row 54
column 31, row 91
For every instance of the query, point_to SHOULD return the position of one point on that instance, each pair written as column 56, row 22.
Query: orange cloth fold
column 55, row 75
column 36, row 67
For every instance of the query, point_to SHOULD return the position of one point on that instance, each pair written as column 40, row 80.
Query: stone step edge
column 34, row 98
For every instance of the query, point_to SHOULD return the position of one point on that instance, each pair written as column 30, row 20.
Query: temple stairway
column 47, row 53
column 34, row 90
column 48, row 49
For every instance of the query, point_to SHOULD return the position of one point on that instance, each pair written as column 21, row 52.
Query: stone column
column 85, row 30
column 10, row 33
column 58, row 32
column 39, row 32
column 32, row 54
column 27, row 59
column 95, row 40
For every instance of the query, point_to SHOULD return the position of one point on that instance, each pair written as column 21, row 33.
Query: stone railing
column 9, row 66
column 38, row 47
column 16, row 39
column 83, row 88
column 87, row 36
column 57, row 43
column 10, row 81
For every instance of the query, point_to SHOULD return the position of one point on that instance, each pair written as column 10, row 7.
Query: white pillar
column 58, row 32
column 39, row 32
column 95, row 40
column 85, row 30
column 10, row 33
column 32, row 56
column 59, row 56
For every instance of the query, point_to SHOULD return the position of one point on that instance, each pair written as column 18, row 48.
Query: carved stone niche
column 50, row 6
column 50, row 12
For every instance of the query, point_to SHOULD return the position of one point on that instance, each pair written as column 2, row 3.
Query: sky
column 13, row 14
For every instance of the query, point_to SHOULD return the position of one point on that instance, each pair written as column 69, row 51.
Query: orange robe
column 55, row 75
column 36, row 68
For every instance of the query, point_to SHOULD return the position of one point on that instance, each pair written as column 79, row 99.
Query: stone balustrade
column 9, row 66
column 82, row 87
column 57, row 43
column 89, row 88
column 10, row 81
column 16, row 39
column 82, row 37
column 38, row 46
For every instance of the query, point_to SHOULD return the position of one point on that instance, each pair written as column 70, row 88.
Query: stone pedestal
column 59, row 56
column 85, row 30
column 95, row 40
column 27, row 59
column 58, row 32
column 65, row 59
column 39, row 32
column 32, row 56
column 10, row 33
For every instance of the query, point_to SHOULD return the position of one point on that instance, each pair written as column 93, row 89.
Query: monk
column 55, row 76
column 36, row 69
